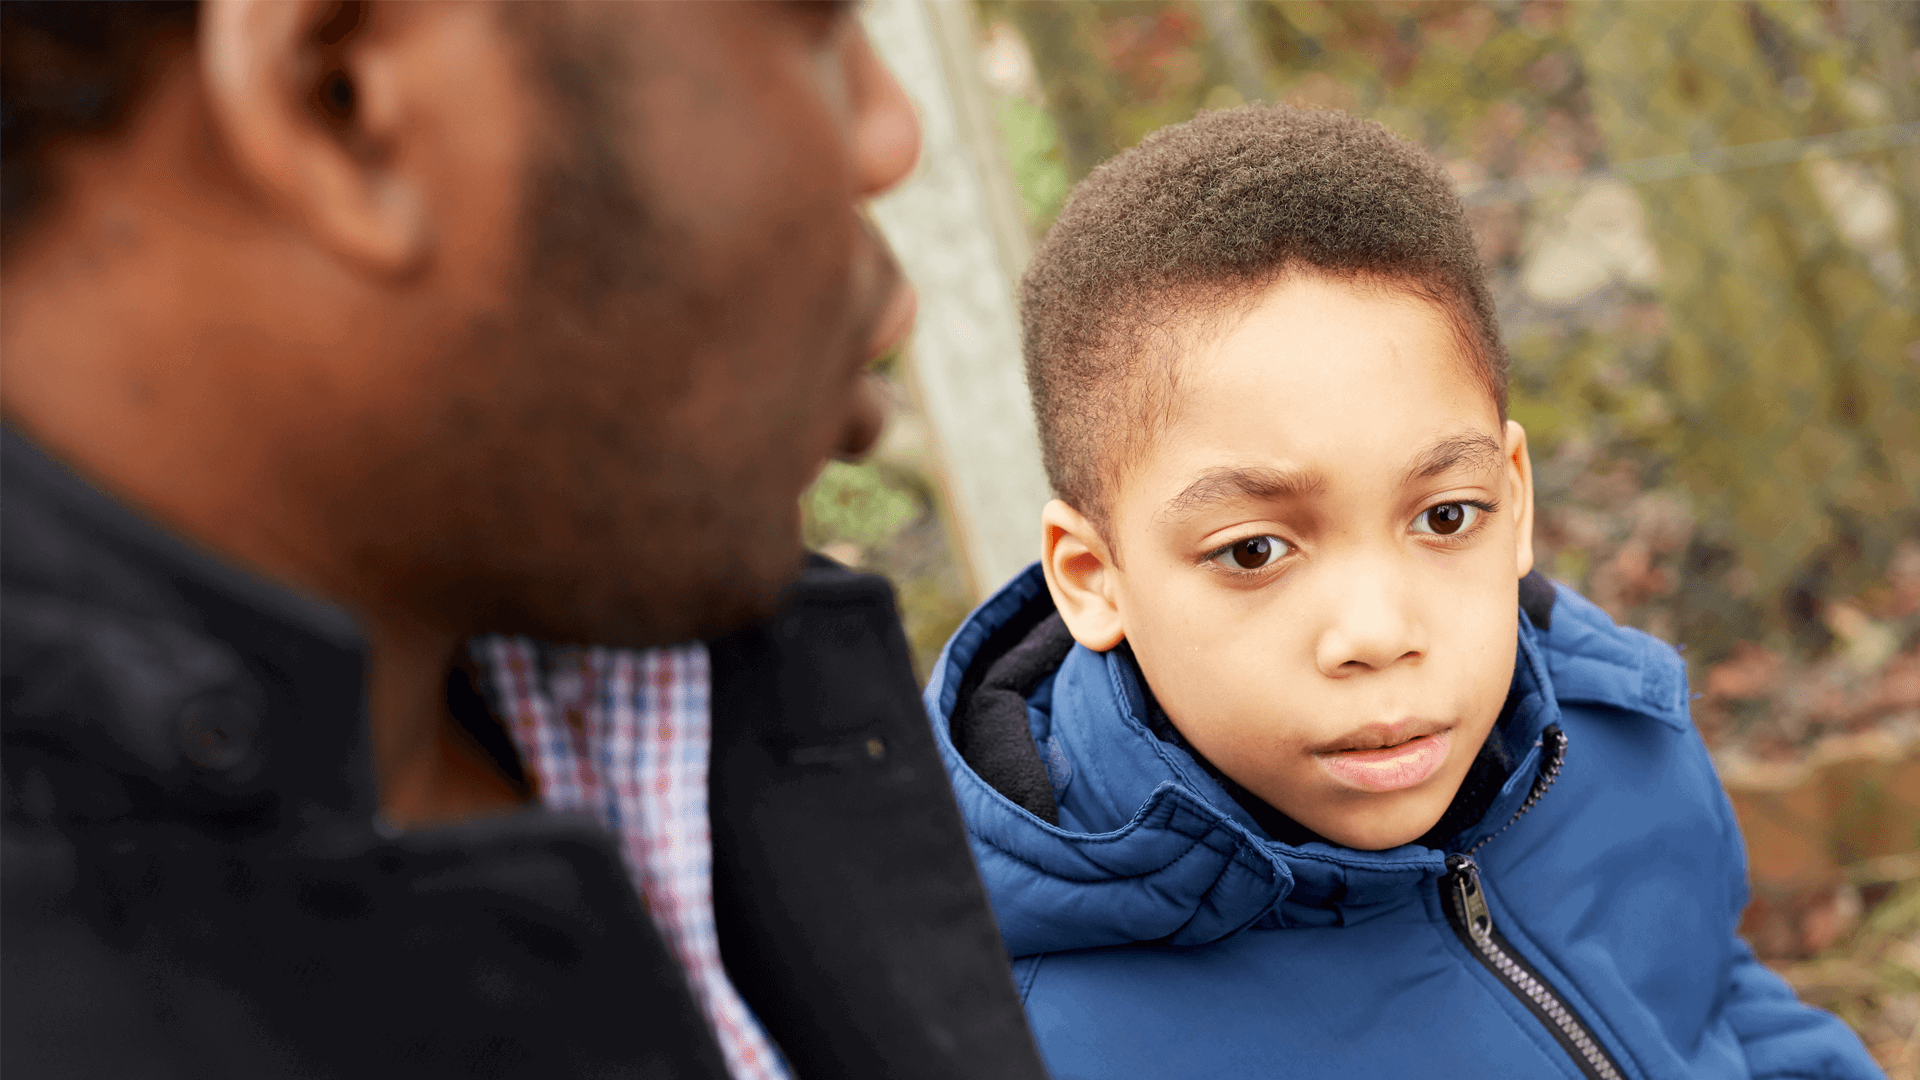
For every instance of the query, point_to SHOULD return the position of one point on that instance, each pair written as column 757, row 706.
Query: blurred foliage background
column 1701, row 221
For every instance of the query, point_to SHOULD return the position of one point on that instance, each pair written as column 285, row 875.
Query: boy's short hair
column 1199, row 218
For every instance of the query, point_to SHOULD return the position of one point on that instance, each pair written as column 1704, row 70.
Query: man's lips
column 883, row 327
column 1387, row 757
column 886, row 300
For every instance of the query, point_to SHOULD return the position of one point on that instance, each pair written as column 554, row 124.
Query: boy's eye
column 1446, row 519
column 1250, row 554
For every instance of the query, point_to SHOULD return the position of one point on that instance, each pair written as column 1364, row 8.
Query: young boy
column 1282, row 762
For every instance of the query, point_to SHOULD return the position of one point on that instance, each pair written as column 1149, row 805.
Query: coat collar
column 206, row 687
column 1160, row 853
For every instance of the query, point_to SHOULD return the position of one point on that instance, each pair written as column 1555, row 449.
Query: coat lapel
column 849, row 912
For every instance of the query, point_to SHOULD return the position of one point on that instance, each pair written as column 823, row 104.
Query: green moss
column 855, row 504
column 1033, row 153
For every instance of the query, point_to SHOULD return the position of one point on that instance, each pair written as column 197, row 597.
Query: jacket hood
column 1150, row 848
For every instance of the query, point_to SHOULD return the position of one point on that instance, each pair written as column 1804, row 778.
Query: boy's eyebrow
column 1475, row 450
column 1227, row 484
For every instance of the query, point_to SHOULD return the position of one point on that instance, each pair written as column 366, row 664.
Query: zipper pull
column 1468, row 899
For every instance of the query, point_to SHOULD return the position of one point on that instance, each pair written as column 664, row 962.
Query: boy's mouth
column 1369, row 762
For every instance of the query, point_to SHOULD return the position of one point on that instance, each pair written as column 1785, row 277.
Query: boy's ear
column 1520, row 488
column 1080, row 575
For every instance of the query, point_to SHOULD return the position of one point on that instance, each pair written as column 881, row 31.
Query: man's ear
column 1080, row 575
column 1520, row 492
column 311, row 114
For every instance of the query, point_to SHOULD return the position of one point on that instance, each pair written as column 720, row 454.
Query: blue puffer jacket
column 1158, row 932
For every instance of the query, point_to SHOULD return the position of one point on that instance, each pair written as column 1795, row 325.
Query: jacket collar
column 198, row 686
column 1151, row 849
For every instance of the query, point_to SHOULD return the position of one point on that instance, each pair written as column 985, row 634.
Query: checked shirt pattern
column 623, row 734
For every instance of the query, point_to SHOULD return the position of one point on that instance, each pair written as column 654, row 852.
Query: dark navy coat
column 196, row 884
column 1158, row 931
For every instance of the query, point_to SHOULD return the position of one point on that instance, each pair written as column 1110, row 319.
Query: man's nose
column 886, row 132
column 1373, row 624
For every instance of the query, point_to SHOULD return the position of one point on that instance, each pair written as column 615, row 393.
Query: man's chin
column 737, row 608
column 635, row 614
column 720, row 615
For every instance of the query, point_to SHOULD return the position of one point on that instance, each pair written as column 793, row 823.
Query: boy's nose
column 1372, row 627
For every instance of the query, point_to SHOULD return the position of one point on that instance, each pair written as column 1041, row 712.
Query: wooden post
column 957, row 227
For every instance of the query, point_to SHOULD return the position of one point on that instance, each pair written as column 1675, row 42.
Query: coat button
column 217, row 730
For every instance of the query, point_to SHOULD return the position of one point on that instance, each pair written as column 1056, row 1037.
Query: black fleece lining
column 990, row 725
column 1536, row 599
column 990, row 728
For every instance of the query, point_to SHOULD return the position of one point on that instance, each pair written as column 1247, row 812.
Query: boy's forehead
column 1325, row 334
column 1314, row 380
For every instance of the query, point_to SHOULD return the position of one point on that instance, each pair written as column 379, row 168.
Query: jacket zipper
column 1466, row 907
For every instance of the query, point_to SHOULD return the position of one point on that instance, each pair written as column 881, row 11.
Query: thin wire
column 1713, row 160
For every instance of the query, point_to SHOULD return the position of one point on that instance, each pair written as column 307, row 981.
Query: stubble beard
column 574, row 512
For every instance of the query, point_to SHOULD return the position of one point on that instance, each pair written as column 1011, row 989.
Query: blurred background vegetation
column 1702, row 225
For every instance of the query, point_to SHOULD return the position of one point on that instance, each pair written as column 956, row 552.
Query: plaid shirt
column 622, row 734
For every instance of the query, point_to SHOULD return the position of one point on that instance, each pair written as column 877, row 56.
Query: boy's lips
column 1379, row 768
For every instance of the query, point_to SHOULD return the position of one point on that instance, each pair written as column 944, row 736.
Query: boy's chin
column 1381, row 827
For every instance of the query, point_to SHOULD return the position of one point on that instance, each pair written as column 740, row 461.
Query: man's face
column 1321, row 556
column 700, row 297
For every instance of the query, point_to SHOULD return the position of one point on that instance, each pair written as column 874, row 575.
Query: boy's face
column 1319, row 558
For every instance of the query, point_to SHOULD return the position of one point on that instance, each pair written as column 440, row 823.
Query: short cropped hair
column 1198, row 219
column 67, row 71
